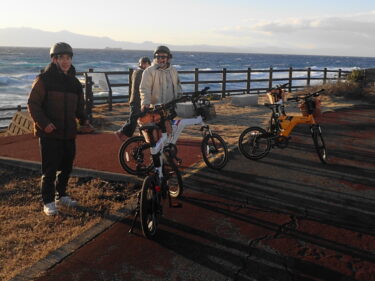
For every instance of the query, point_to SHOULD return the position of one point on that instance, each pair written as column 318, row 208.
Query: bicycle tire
column 214, row 151
column 132, row 160
column 149, row 208
column 319, row 143
column 250, row 141
column 173, row 179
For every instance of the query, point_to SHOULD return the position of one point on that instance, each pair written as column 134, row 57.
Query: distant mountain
column 29, row 37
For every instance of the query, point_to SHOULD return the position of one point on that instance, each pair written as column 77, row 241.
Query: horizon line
column 195, row 51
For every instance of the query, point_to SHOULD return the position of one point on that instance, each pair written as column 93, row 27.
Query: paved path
column 285, row 217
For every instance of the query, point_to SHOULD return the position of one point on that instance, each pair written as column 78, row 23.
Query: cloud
column 332, row 24
column 354, row 31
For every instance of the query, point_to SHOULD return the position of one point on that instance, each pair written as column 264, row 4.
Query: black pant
column 57, row 163
column 129, row 127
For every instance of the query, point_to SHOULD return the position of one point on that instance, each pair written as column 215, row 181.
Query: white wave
column 14, row 80
column 105, row 94
column 19, row 63
column 25, row 76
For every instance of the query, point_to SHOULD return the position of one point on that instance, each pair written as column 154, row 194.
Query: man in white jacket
column 160, row 82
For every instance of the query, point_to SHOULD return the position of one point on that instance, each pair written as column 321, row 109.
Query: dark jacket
column 57, row 98
column 135, row 98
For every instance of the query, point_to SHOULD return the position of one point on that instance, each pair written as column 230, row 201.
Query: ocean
column 19, row 66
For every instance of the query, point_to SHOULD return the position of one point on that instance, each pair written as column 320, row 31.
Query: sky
column 301, row 24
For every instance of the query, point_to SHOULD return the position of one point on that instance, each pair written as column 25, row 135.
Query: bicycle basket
column 311, row 106
column 206, row 109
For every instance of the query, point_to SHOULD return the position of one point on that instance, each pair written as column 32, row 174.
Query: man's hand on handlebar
column 145, row 107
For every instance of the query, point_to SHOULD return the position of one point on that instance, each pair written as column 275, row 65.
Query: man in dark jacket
column 54, row 103
column 134, row 101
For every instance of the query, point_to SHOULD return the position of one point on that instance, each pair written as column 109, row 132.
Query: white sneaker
column 50, row 209
column 66, row 201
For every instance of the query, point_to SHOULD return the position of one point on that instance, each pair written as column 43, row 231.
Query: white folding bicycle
column 135, row 155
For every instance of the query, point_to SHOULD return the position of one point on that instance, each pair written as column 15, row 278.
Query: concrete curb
column 69, row 248
column 78, row 172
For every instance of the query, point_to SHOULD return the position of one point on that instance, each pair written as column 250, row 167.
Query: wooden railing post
column 270, row 79
column 340, row 74
column 325, row 76
column 196, row 79
column 224, row 84
column 131, row 70
column 308, row 77
column 290, row 79
column 248, row 80
column 89, row 96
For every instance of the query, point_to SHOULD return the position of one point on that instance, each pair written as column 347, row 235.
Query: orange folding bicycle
column 255, row 142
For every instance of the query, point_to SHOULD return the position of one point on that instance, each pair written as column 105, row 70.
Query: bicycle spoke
column 254, row 143
column 214, row 151
column 135, row 157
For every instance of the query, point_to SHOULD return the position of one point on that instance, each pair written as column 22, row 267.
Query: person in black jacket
column 134, row 101
column 55, row 102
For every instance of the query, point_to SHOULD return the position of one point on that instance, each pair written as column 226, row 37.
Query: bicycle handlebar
column 280, row 86
column 197, row 95
column 315, row 94
column 160, row 107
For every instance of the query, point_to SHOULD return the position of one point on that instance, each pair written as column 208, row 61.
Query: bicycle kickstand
column 134, row 220
column 136, row 214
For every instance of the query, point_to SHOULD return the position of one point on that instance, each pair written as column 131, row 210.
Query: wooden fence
column 223, row 82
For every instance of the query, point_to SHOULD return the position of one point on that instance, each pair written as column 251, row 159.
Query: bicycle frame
column 157, row 148
column 288, row 122
column 255, row 142
column 179, row 125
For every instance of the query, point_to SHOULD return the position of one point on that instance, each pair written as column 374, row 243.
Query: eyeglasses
column 161, row 57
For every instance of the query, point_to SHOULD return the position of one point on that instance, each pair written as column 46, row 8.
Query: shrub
column 357, row 75
column 347, row 89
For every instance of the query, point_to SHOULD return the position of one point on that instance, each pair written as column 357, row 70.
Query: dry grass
column 27, row 235
column 347, row 90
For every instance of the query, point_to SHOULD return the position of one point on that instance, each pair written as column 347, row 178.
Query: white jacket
column 159, row 86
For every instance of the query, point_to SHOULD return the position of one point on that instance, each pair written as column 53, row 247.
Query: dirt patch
column 27, row 234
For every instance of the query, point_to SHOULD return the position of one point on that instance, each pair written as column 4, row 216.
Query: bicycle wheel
column 319, row 144
column 214, row 151
column 135, row 156
column 173, row 179
column 254, row 143
column 149, row 212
